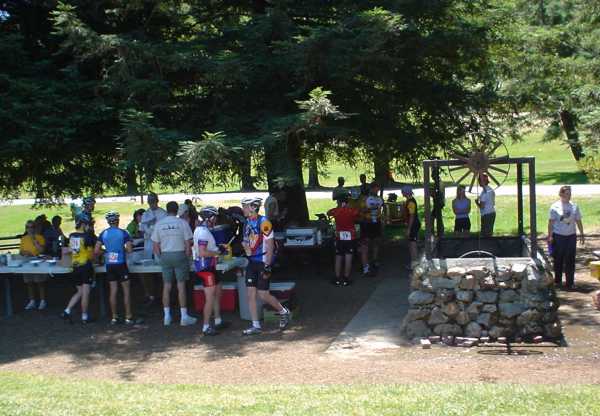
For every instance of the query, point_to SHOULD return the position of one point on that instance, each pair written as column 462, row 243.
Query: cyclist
column 206, row 252
column 345, row 239
column 258, row 243
column 371, row 230
column 81, row 246
column 116, row 242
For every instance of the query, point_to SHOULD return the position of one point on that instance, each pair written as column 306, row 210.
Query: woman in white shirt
column 487, row 206
column 562, row 236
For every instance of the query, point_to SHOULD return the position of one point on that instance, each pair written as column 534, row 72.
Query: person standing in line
column 147, row 223
column 81, row 247
column 206, row 252
column 339, row 191
column 259, row 246
column 345, row 239
column 461, row 206
column 486, row 201
column 172, row 239
column 413, row 225
column 117, row 242
column 371, row 230
column 32, row 244
column 364, row 186
column 562, row 236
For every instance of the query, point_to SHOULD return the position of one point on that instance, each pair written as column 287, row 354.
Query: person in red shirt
column 345, row 239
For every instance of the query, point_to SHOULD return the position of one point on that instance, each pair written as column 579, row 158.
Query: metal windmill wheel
column 479, row 155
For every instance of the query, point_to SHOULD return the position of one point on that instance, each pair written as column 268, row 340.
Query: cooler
column 301, row 237
column 228, row 300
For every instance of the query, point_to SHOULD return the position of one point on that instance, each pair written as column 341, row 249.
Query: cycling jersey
column 373, row 204
column 256, row 232
column 345, row 217
column 203, row 237
column 82, row 247
column 114, row 240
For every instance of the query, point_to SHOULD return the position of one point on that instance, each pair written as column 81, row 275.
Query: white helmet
column 253, row 201
column 208, row 212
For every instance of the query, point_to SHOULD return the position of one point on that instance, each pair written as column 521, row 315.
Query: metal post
column 520, row 197
column 427, row 208
column 8, row 311
column 532, row 205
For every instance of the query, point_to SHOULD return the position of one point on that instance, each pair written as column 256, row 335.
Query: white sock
column 68, row 311
column 256, row 324
column 84, row 316
column 167, row 312
column 283, row 311
column 205, row 327
column 366, row 269
column 218, row 321
column 184, row 313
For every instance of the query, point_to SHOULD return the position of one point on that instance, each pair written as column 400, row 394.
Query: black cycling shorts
column 117, row 273
column 254, row 276
column 83, row 275
column 414, row 231
column 343, row 247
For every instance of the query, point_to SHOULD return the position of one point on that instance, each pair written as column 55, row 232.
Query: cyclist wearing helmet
column 371, row 230
column 258, row 243
column 413, row 225
column 81, row 244
column 206, row 252
column 116, row 242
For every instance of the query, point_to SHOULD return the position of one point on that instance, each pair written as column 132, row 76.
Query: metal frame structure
column 430, row 165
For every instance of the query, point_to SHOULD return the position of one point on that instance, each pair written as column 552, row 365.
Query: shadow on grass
column 563, row 178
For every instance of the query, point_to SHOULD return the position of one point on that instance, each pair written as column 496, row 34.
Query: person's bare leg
column 127, row 299
column 364, row 253
column 209, row 301
column 75, row 298
column 376, row 244
column 114, row 288
column 338, row 266
column 348, row 265
column 30, row 291
column 266, row 297
column 166, row 297
column 42, row 289
column 85, row 298
column 252, row 303
column 217, row 303
column 181, row 288
column 412, row 245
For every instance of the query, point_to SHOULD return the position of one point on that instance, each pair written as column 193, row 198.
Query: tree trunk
column 568, row 124
column 284, row 170
column 381, row 167
column 313, row 173
column 246, row 173
column 130, row 179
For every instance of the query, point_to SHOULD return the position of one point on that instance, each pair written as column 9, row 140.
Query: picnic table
column 29, row 265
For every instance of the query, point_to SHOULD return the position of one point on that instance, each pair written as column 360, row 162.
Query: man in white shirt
column 149, row 219
column 172, row 239
column 487, row 206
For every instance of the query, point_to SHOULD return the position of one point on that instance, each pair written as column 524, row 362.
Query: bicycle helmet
column 112, row 217
column 252, row 201
column 208, row 212
column 88, row 201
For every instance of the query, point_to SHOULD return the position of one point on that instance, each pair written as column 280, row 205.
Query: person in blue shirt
column 117, row 243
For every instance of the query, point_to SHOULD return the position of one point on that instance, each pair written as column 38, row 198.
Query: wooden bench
column 10, row 243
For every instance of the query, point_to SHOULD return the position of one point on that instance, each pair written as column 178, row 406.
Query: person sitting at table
column 81, row 247
column 33, row 244
column 133, row 228
column 116, row 242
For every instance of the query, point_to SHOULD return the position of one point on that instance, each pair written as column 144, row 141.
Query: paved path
column 206, row 198
column 376, row 326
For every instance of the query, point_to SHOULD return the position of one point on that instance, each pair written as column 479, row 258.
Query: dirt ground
column 40, row 343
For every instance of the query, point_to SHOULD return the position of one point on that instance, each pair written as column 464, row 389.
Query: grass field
column 33, row 395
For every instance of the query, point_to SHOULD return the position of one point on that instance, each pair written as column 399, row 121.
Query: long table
column 55, row 270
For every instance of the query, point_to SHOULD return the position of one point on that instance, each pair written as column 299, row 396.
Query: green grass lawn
column 33, row 395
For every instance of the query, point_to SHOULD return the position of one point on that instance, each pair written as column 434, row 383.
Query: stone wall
column 503, row 297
